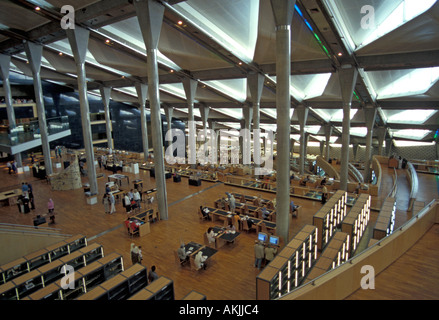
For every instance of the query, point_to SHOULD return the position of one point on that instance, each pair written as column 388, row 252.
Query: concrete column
column 292, row 143
column 381, row 133
column 328, row 133
column 150, row 16
column 213, row 154
column 105, row 94
column 355, row 147
column 246, row 137
column 142, row 94
column 204, row 112
column 255, row 83
column 389, row 145
column 322, row 147
column 302, row 115
column 283, row 15
column 34, row 53
column 347, row 76
column 190, row 87
column 369, row 116
column 78, row 39
column 169, row 112
column 5, row 62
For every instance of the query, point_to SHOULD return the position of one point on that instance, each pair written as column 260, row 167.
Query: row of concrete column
column 150, row 17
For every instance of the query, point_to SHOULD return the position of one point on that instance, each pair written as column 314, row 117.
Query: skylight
column 175, row 89
column 401, row 83
column 417, row 116
column 407, row 143
column 335, row 115
column 234, row 88
column 355, row 131
column 232, row 23
column 362, row 22
column 415, row 134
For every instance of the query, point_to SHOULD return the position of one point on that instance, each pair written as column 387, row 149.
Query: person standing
column 232, row 203
column 51, row 208
column 152, row 275
column 136, row 198
column 127, row 203
column 270, row 252
column 9, row 165
column 31, row 199
column 112, row 203
column 106, row 202
column 134, row 253
column 324, row 193
column 259, row 254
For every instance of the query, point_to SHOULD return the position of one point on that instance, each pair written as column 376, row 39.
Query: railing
column 412, row 176
column 392, row 193
column 379, row 255
column 31, row 130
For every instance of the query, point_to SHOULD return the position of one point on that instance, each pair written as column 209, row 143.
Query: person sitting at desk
column 222, row 203
column 231, row 227
column 265, row 213
column 205, row 212
column 181, row 252
column 304, row 181
column 200, row 260
column 293, row 207
column 210, row 235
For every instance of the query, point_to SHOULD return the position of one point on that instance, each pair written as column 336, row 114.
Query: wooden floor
column 232, row 274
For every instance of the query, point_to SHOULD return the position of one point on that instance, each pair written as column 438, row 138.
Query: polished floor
column 231, row 273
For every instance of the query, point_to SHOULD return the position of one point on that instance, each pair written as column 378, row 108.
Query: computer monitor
column 274, row 240
column 262, row 236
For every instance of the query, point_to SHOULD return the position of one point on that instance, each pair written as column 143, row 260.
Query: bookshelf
column 386, row 219
column 330, row 215
column 356, row 220
column 290, row 266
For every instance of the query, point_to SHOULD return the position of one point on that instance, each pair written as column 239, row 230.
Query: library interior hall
column 219, row 150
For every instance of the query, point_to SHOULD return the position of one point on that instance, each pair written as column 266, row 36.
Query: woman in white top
column 210, row 235
column 136, row 197
column 127, row 203
column 199, row 260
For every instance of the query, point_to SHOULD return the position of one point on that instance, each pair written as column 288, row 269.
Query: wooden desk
column 223, row 236
column 119, row 177
column 144, row 227
column 10, row 197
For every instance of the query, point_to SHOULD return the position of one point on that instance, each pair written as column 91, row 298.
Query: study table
column 10, row 197
column 223, row 236
column 142, row 226
column 192, row 249
column 118, row 177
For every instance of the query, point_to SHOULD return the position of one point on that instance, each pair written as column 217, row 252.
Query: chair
column 177, row 259
column 245, row 225
column 155, row 216
column 132, row 231
column 192, row 262
column 201, row 216
column 264, row 228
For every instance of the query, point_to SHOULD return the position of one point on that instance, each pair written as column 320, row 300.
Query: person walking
column 106, row 202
